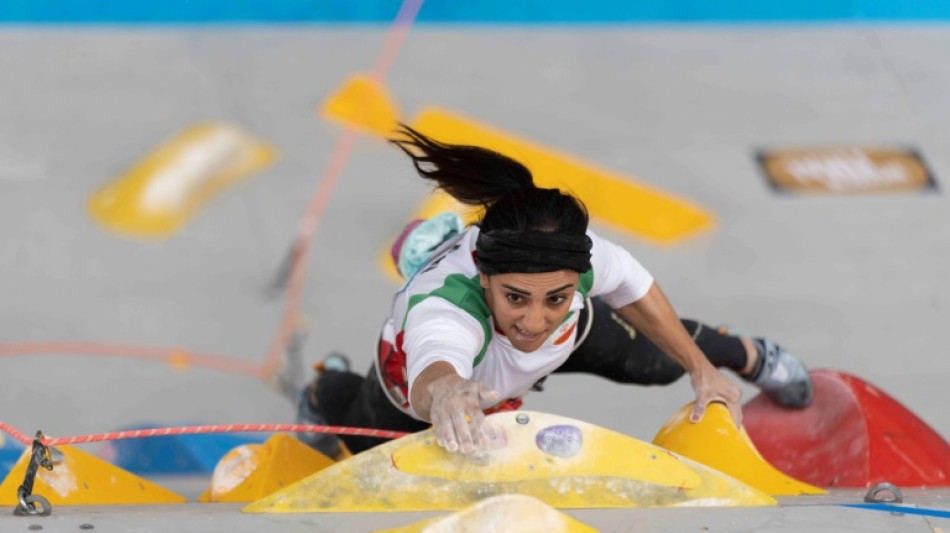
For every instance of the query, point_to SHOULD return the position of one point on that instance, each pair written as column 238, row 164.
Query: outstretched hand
column 711, row 385
column 457, row 417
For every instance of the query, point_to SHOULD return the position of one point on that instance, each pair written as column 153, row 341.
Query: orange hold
column 853, row 435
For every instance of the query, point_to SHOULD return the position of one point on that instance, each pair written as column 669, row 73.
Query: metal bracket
column 872, row 495
column 39, row 457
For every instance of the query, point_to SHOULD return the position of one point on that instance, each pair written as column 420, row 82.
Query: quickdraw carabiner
column 39, row 457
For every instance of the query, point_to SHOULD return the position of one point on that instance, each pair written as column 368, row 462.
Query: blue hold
column 562, row 440
column 10, row 453
column 174, row 454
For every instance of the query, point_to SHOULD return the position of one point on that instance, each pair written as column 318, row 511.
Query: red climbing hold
column 853, row 435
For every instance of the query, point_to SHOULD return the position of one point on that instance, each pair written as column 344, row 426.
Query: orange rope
column 172, row 356
column 321, row 197
column 301, row 252
column 13, row 432
column 203, row 430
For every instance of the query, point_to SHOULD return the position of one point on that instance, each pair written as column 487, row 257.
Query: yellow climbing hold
column 78, row 478
column 365, row 103
column 562, row 462
column 508, row 513
column 252, row 471
column 161, row 192
column 715, row 442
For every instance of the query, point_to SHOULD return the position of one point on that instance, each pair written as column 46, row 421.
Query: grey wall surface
column 852, row 283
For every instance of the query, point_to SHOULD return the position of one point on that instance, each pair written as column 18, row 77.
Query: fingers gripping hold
column 457, row 416
column 460, row 423
column 699, row 411
column 712, row 386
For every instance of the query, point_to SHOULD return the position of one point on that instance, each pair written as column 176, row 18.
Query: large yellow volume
column 162, row 191
column 563, row 462
column 716, row 442
column 78, row 478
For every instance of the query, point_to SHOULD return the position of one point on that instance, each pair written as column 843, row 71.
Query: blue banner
column 471, row 11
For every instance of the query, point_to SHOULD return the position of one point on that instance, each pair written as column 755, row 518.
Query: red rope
column 202, row 430
column 12, row 431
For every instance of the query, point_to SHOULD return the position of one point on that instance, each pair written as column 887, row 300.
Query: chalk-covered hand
column 457, row 417
column 711, row 385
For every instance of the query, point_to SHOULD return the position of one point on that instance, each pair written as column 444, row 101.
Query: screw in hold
column 522, row 419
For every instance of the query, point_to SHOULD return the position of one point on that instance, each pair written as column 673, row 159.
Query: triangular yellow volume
column 83, row 479
column 252, row 471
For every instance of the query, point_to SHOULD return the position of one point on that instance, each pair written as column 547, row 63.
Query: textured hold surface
column 562, row 440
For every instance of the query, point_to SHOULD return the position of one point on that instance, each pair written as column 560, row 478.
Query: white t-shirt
column 440, row 314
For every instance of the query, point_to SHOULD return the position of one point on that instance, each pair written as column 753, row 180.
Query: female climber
column 489, row 311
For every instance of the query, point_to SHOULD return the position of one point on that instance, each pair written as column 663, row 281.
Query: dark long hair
column 504, row 187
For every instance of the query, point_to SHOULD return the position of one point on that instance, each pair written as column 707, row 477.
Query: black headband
column 505, row 251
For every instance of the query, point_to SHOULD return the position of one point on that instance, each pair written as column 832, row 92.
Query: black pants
column 613, row 349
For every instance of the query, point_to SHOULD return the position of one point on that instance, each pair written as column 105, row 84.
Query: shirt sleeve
column 619, row 277
column 438, row 331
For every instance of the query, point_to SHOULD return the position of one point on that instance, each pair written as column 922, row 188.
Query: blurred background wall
column 683, row 97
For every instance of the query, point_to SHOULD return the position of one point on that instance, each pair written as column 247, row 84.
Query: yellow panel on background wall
column 636, row 208
column 363, row 102
column 619, row 201
column 158, row 195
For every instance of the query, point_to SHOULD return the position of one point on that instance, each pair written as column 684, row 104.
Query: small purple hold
column 561, row 440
